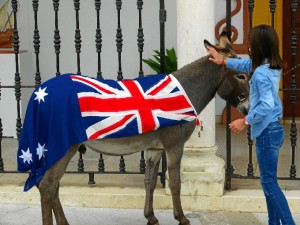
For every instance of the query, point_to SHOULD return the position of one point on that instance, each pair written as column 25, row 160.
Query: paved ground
column 27, row 214
column 31, row 215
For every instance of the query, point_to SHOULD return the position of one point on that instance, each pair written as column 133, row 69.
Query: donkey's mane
column 193, row 66
column 202, row 68
column 199, row 78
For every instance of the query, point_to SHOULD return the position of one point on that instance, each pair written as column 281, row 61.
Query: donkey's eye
column 241, row 77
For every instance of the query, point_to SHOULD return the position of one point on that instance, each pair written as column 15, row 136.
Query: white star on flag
column 26, row 156
column 40, row 94
column 40, row 151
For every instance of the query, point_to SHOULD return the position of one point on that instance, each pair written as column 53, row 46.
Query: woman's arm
column 242, row 65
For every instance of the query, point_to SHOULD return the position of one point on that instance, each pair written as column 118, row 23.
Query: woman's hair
column 264, row 45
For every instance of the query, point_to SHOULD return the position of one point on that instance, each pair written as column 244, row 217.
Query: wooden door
column 287, row 30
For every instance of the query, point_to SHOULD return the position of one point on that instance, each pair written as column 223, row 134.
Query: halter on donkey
column 199, row 81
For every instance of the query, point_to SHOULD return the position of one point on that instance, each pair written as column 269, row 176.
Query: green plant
column 170, row 61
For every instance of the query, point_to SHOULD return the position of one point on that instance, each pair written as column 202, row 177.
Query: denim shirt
column 265, row 104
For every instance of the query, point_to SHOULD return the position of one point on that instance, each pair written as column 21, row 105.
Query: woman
column 264, row 114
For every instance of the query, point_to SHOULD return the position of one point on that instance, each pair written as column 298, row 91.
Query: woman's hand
column 238, row 125
column 216, row 57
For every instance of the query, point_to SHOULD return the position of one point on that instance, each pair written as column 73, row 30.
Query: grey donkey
column 201, row 80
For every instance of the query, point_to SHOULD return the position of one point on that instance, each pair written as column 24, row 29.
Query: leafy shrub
column 170, row 61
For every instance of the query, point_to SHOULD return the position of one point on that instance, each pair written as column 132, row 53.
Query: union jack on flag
column 70, row 109
column 148, row 107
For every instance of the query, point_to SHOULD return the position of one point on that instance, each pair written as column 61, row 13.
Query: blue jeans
column 267, row 151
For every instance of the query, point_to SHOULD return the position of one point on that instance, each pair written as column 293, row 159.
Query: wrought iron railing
column 78, row 44
column 293, row 91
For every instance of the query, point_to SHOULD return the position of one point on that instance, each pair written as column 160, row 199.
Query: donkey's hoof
column 185, row 221
column 156, row 223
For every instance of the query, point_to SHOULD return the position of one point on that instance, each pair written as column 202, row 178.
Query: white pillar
column 202, row 172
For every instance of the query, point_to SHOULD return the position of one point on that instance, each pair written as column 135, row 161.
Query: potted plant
column 170, row 61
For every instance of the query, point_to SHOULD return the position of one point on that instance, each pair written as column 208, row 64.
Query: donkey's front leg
column 152, row 164
column 174, row 156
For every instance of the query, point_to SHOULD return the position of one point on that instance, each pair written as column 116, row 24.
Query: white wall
column 129, row 24
column 8, row 103
column 8, row 106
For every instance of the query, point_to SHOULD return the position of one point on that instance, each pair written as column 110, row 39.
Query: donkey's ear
column 208, row 45
column 224, row 41
column 224, row 47
column 219, row 48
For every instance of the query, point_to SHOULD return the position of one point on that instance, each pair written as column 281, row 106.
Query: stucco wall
column 108, row 20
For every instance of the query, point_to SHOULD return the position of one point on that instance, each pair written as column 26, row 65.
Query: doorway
column 287, row 56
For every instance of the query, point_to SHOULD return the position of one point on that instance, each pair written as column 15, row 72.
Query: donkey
column 201, row 80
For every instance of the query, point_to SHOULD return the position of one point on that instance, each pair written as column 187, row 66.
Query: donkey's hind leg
column 152, row 164
column 49, row 190
column 174, row 155
column 58, row 210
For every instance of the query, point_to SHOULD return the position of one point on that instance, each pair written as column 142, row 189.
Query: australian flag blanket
column 70, row 109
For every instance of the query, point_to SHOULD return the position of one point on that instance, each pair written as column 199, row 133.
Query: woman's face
column 249, row 46
column 249, row 51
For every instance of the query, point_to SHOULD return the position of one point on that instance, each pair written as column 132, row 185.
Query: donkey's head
column 233, row 85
